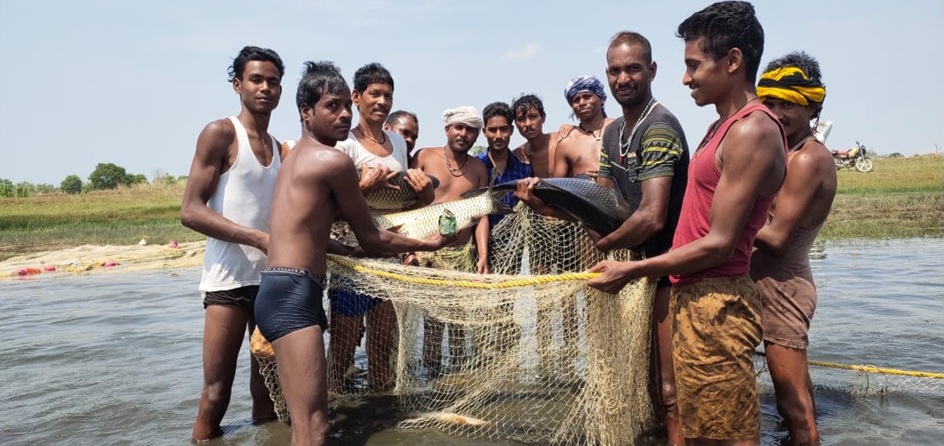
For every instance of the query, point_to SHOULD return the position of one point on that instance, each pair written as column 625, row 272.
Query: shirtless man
column 539, row 148
column 228, row 195
column 792, row 88
column 407, row 125
column 458, row 172
column 379, row 155
column 734, row 176
column 578, row 153
column 317, row 184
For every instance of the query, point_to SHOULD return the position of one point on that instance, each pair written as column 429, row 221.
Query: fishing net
column 527, row 352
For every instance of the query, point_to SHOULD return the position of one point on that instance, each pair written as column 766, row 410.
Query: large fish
column 423, row 223
column 386, row 199
column 594, row 206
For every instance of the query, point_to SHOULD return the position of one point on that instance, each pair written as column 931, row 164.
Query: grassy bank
column 117, row 217
column 901, row 197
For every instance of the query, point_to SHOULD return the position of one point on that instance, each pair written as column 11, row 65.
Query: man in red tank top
column 733, row 177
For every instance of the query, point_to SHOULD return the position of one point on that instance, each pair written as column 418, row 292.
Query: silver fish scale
column 384, row 199
column 424, row 223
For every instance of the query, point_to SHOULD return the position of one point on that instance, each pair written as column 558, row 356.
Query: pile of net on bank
column 532, row 353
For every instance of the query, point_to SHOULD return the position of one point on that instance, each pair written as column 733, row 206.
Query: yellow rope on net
column 503, row 284
column 871, row 369
column 565, row 277
column 878, row 370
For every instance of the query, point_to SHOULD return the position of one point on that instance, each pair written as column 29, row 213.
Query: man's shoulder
column 477, row 162
column 612, row 130
column 756, row 125
column 349, row 145
column 662, row 115
column 813, row 156
column 426, row 152
column 397, row 141
column 756, row 136
column 310, row 151
column 222, row 128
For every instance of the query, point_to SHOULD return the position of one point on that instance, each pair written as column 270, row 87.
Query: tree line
column 105, row 176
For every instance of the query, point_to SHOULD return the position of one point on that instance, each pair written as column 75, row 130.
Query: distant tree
column 23, row 189
column 72, row 184
column 131, row 180
column 895, row 155
column 477, row 150
column 165, row 179
column 107, row 176
column 44, row 188
column 6, row 188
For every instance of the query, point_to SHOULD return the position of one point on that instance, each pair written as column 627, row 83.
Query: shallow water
column 114, row 359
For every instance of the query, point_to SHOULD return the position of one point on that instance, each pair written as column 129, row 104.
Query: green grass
column 117, row 217
column 900, row 198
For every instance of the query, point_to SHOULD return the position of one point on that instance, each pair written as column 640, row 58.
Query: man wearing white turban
column 457, row 173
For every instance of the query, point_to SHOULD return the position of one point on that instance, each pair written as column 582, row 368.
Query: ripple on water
column 116, row 358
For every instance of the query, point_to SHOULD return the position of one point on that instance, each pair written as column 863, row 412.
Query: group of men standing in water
column 726, row 228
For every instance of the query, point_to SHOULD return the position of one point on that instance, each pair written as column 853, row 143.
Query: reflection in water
column 114, row 358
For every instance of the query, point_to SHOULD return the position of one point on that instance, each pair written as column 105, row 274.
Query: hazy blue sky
column 134, row 82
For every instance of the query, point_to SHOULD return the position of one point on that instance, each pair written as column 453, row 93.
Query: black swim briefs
column 289, row 299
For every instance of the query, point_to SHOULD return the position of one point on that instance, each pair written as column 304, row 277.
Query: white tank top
column 396, row 161
column 243, row 196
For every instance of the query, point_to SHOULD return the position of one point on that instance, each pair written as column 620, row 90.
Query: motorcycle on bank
column 854, row 157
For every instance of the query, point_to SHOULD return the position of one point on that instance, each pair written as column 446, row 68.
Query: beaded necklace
column 625, row 145
column 457, row 172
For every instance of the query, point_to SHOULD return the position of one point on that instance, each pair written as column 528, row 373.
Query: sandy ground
column 90, row 259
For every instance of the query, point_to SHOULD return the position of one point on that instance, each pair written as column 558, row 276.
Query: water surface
column 114, row 359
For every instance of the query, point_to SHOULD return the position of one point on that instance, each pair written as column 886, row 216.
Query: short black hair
column 250, row 53
column 319, row 78
column 526, row 101
column 724, row 26
column 801, row 60
column 632, row 38
column 372, row 73
column 498, row 109
column 401, row 114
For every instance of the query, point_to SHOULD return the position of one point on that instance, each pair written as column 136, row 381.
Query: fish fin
column 500, row 188
column 474, row 192
column 433, row 180
column 501, row 209
column 398, row 228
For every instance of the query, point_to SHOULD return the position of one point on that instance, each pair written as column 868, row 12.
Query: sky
column 134, row 83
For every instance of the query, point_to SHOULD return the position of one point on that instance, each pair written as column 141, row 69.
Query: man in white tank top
column 379, row 155
column 228, row 197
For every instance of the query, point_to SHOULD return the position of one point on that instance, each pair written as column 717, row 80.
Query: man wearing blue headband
column 578, row 153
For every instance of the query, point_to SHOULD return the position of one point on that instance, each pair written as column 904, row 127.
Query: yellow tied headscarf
column 790, row 84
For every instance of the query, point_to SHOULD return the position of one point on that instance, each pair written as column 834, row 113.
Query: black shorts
column 242, row 297
column 289, row 300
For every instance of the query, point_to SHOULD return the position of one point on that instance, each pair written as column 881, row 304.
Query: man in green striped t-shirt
column 645, row 158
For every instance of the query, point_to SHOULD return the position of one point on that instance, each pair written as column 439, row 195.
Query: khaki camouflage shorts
column 717, row 326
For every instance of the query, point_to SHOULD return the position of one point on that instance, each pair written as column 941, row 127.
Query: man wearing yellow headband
column 791, row 88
